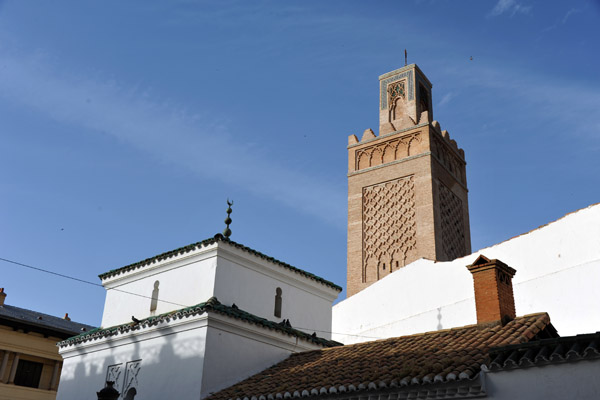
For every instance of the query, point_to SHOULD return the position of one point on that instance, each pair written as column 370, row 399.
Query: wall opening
column 154, row 301
column 278, row 302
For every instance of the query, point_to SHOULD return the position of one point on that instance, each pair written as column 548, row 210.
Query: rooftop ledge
column 218, row 238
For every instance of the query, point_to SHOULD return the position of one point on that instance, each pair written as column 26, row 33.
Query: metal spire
column 227, row 231
column 405, row 58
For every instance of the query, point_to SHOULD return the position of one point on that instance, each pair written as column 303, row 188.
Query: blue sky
column 126, row 125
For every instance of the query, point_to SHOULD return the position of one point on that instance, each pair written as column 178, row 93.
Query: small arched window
column 154, row 301
column 278, row 302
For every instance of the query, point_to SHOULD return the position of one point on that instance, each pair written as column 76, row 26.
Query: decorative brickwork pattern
column 389, row 226
column 453, row 229
column 394, row 149
column 448, row 159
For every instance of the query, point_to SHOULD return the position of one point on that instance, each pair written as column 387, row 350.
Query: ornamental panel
column 452, row 223
column 389, row 225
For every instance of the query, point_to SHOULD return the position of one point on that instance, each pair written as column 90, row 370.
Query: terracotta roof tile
column 439, row 356
column 545, row 351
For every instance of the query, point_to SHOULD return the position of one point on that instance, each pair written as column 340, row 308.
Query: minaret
column 407, row 187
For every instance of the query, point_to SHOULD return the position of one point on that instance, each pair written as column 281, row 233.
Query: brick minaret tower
column 407, row 187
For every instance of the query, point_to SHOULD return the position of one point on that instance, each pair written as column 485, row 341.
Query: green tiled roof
column 212, row 305
column 207, row 242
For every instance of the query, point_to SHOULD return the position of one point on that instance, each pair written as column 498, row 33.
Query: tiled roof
column 44, row 323
column 207, row 242
column 545, row 351
column 212, row 305
column 434, row 357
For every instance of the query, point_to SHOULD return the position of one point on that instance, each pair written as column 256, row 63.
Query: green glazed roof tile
column 207, row 242
column 212, row 305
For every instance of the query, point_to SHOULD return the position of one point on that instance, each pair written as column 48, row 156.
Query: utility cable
column 86, row 282
column 148, row 297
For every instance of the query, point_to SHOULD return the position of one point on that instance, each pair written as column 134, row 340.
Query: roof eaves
column 212, row 305
column 545, row 351
column 207, row 242
column 403, row 389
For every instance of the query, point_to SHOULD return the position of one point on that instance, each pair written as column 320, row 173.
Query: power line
column 50, row 272
column 86, row 282
column 148, row 297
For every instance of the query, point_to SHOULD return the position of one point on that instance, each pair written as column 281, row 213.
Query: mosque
column 218, row 320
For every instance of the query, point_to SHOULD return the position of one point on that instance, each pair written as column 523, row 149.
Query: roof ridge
column 206, row 242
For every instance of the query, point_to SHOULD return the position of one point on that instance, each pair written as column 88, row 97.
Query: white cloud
column 164, row 130
column 543, row 97
column 509, row 6
column 446, row 98
column 569, row 13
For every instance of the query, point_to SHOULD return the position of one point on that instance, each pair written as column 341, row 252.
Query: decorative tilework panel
column 387, row 81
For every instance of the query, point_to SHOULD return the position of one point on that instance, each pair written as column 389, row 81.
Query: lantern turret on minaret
column 407, row 187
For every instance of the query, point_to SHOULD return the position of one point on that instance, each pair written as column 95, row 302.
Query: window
column 28, row 373
column 278, row 302
column 154, row 301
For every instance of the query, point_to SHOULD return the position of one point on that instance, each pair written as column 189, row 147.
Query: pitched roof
column 441, row 356
column 217, row 238
column 40, row 322
column 212, row 305
column 545, row 351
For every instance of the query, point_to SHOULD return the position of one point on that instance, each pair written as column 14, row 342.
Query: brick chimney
column 494, row 298
column 2, row 296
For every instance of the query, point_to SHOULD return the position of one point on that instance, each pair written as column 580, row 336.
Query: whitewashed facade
column 196, row 351
column 558, row 271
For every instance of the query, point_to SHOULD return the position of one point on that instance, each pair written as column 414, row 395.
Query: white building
column 558, row 271
column 191, row 323
column 179, row 341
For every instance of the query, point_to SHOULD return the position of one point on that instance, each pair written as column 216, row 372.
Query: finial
column 227, row 231
column 405, row 58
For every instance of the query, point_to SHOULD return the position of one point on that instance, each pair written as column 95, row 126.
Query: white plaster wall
column 558, row 271
column 234, row 354
column 230, row 274
column 184, row 282
column 171, row 368
column 307, row 304
column 182, row 359
column 577, row 380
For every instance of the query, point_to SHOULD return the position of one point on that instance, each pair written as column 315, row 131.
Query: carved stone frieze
column 389, row 225
column 391, row 150
column 114, row 374
column 131, row 375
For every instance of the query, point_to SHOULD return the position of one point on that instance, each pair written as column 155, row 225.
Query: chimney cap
column 483, row 263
